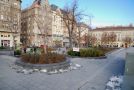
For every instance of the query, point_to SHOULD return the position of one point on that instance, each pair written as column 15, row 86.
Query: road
column 93, row 75
column 7, row 52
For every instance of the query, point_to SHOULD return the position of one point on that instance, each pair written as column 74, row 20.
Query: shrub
column 25, row 57
column 1, row 47
column 83, row 52
column 43, row 58
column 93, row 52
column 73, row 53
column 17, row 52
column 106, row 50
column 49, row 49
column 88, row 52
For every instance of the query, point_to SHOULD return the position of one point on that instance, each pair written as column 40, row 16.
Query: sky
column 103, row 12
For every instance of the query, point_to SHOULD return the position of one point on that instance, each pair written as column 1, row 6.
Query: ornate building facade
column 57, row 26
column 10, row 14
column 114, row 36
column 57, row 32
column 32, row 33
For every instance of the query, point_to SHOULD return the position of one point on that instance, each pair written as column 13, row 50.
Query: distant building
column 10, row 13
column 82, row 33
column 124, row 36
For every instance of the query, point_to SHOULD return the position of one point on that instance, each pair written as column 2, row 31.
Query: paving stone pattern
column 93, row 75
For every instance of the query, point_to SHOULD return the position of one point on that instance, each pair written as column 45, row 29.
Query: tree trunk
column 14, row 43
column 79, row 40
column 70, row 42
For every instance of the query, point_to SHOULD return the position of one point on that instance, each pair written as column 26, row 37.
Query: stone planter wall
column 100, row 57
column 62, row 65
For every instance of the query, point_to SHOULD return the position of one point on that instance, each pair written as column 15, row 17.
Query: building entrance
column 5, row 43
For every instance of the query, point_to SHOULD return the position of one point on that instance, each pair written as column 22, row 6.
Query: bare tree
column 79, row 36
column 90, row 40
column 70, row 17
column 112, row 37
column 107, row 38
column 127, row 40
column 43, row 20
column 104, row 38
column 58, row 43
column 86, row 39
column 82, row 31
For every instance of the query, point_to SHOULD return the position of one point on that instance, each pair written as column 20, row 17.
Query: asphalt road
column 93, row 75
column 8, row 52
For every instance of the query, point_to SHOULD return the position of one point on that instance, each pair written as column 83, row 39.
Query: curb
column 101, row 57
column 54, row 66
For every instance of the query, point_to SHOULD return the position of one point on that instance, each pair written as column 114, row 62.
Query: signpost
column 76, row 49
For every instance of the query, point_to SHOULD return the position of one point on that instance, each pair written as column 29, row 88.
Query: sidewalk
column 129, row 72
column 93, row 75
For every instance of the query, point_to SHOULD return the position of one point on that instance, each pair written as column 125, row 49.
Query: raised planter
column 17, row 55
column 61, row 65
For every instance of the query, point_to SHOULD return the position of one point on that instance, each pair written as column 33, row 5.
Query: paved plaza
column 93, row 75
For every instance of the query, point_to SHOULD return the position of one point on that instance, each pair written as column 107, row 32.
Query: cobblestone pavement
column 93, row 75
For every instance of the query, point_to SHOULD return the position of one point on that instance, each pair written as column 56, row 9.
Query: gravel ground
column 93, row 75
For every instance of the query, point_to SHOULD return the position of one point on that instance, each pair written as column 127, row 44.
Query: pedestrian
column 35, row 49
column 25, row 50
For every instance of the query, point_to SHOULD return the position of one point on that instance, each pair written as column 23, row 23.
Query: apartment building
column 10, row 13
column 60, row 32
column 57, row 34
column 82, row 33
column 124, row 35
column 57, row 26
column 32, row 33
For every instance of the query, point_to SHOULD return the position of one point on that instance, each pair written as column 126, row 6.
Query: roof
column 122, row 28
column 54, row 7
column 35, row 4
column 82, row 24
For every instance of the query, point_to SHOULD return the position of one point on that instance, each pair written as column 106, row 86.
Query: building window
column 2, row 17
column 1, row 35
column 15, row 4
column 5, row 43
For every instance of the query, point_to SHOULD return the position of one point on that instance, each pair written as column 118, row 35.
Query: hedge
column 88, row 52
column 17, row 52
